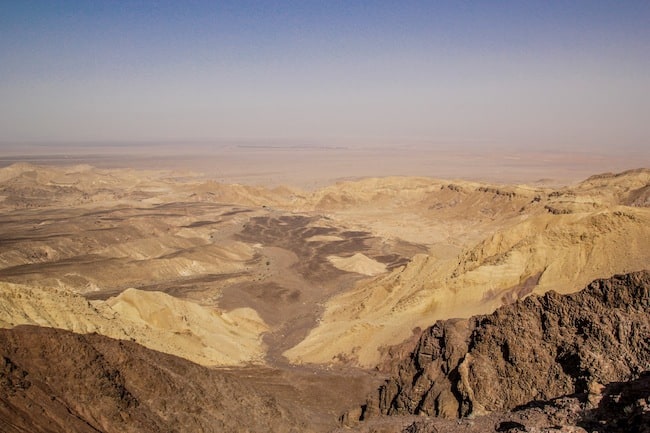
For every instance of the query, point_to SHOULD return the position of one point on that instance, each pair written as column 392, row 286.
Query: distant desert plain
column 277, row 288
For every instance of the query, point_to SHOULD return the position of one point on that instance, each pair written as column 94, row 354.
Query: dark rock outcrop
column 537, row 349
column 620, row 407
column 639, row 197
column 56, row 381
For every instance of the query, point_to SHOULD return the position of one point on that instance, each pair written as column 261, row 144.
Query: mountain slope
column 91, row 383
column 562, row 239
column 153, row 319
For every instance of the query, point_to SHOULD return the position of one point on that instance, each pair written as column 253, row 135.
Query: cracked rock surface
column 539, row 349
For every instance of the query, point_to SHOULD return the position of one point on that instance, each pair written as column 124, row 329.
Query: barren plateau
column 279, row 308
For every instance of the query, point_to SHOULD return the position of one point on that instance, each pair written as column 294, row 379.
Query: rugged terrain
column 595, row 375
column 538, row 349
column 620, row 407
column 303, row 293
column 487, row 247
column 57, row 381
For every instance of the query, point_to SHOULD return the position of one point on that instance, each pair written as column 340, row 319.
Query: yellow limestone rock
column 154, row 319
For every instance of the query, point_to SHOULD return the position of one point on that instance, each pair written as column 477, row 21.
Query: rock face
column 620, row 407
column 56, row 381
column 537, row 349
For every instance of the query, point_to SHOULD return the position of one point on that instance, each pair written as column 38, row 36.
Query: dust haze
column 312, row 164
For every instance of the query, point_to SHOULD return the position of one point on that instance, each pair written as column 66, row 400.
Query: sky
column 513, row 74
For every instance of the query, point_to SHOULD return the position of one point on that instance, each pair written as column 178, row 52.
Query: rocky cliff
column 620, row 407
column 537, row 349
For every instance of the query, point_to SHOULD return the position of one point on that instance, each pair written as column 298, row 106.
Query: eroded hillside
column 540, row 240
column 333, row 276
column 266, row 281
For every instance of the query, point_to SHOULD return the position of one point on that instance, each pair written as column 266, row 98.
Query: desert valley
column 324, row 216
column 142, row 300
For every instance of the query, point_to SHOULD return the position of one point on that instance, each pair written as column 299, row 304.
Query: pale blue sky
column 523, row 74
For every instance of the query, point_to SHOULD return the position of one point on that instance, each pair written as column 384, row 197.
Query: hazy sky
column 511, row 73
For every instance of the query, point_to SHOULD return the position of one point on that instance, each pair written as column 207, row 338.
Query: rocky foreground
column 56, row 381
column 547, row 363
column 621, row 407
column 567, row 363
